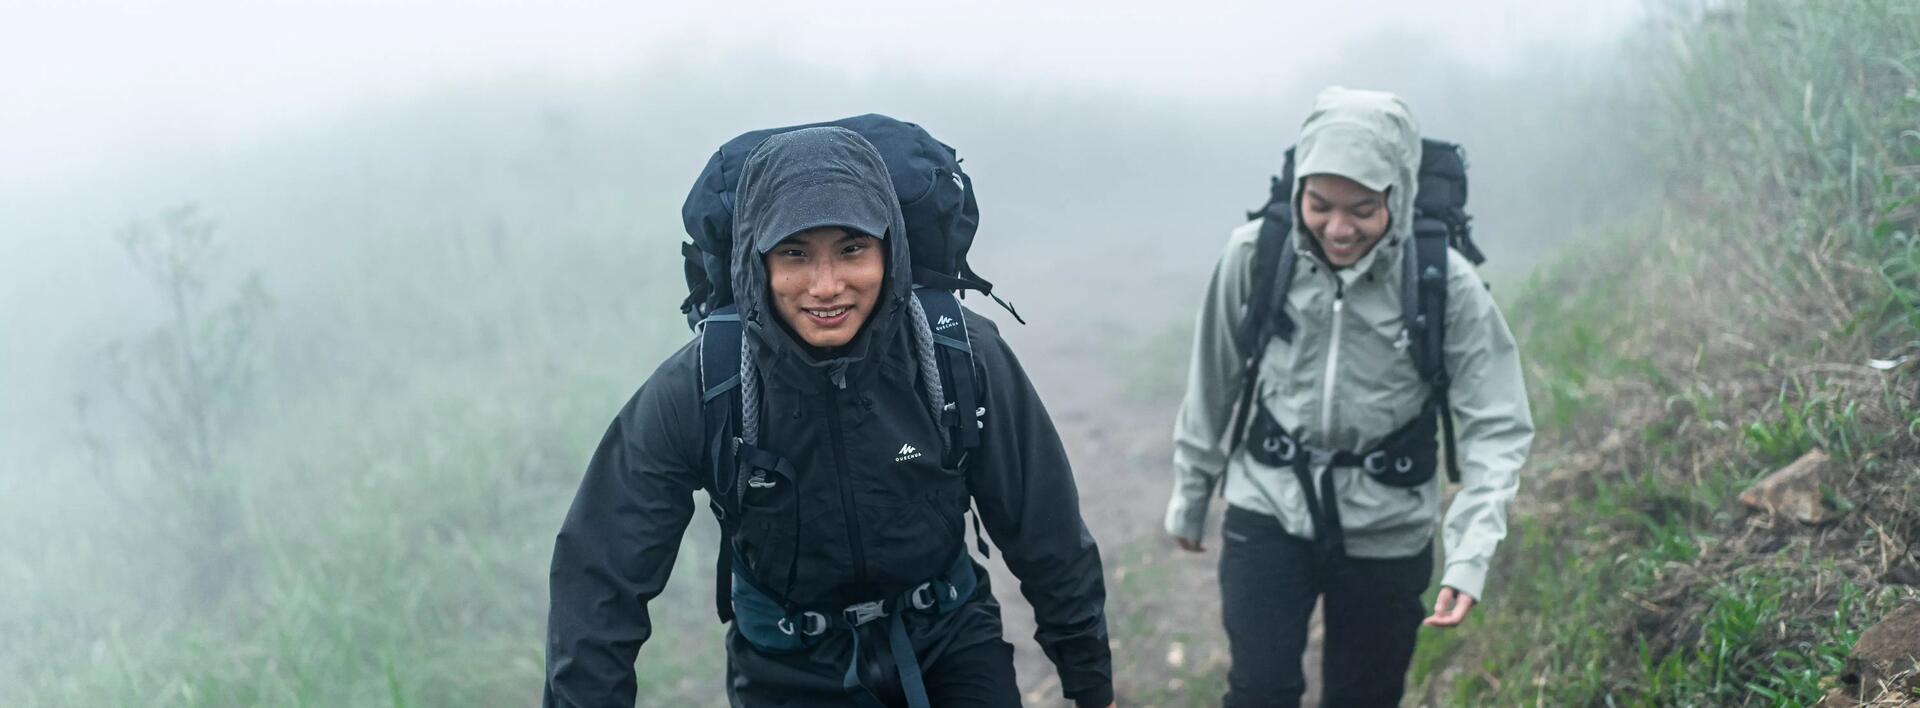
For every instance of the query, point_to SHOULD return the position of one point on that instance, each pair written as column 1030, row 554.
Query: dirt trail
column 1163, row 605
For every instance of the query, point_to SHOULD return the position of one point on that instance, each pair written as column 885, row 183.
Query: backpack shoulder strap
column 954, row 347
column 1264, row 313
column 1423, row 303
column 962, row 410
column 1274, row 257
column 720, row 335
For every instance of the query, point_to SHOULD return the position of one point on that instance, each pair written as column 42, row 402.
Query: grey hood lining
column 802, row 179
column 1370, row 133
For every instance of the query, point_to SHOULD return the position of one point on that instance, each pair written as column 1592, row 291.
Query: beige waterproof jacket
column 1346, row 380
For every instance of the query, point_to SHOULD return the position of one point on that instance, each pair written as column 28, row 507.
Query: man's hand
column 1449, row 608
column 1190, row 545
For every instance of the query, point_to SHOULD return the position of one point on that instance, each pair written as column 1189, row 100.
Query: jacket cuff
column 1468, row 576
column 1095, row 698
column 1187, row 516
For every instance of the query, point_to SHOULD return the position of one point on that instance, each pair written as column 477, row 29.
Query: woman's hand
column 1190, row 545
column 1449, row 608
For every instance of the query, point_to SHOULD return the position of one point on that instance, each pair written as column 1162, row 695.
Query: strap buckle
column 1375, row 463
column 865, row 612
column 1275, row 443
column 922, row 598
column 812, row 624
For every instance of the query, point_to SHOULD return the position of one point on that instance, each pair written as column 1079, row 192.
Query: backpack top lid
column 936, row 198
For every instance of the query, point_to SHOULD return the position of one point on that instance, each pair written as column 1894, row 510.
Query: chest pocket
column 910, row 504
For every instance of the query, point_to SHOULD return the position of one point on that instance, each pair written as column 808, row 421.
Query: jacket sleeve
column 1493, row 427
column 1024, row 486
column 1199, row 453
column 618, row 543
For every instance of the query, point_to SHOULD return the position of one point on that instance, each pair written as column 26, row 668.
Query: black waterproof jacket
column 872, row 511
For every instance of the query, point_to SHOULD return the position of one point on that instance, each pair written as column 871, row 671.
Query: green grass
column 398, row 500
column 1718, row 335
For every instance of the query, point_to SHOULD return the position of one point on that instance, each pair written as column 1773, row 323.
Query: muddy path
column 1163, row 605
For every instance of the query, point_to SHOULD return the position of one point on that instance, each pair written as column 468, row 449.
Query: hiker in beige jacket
column 1331, row 396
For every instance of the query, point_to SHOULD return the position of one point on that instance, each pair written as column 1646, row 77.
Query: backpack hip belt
column 1405, row 458
column 777, row 627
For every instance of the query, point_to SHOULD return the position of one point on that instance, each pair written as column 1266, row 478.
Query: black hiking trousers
column 1269, row 582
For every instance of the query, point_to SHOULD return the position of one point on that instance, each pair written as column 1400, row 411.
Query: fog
column 470, row 214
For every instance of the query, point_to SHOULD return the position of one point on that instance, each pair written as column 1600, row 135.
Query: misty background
column 461, row 223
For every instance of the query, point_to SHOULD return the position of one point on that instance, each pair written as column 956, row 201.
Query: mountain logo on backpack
column 944, row 323
column 907, row 452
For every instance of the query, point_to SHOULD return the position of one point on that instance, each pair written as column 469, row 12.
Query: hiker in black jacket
column 851, row 533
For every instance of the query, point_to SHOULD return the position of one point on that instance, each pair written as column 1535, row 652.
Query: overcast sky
column 85, row 84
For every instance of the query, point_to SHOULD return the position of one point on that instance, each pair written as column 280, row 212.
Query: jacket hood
column 1369, row 137
column 804, row 179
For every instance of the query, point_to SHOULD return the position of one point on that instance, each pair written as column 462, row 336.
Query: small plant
column 185, row 382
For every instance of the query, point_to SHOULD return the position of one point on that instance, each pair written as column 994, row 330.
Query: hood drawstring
column 929, row 366
column 749, row 394
column 924, row 353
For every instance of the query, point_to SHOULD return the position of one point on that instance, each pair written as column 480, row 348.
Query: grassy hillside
column 1763, row 303
column 394, row 476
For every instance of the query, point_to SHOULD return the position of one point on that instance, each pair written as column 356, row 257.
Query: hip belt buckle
column 922, row 597
column 813, row 624
column 1375, row 462
column 865, row 612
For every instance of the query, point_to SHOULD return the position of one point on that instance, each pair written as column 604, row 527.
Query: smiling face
column 1345, row 218
column 825, row 282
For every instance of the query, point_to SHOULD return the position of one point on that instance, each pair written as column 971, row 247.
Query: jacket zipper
column 846, row 485
column 1333, row 359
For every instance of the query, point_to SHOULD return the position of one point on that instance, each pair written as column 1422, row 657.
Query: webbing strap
column 1453, row 443
column 720, row 394
column 755, row 456
column 912, row 682
column 1323, row 507
column 851, row 683
column 979, row 535
column 909, row 665
column 722, row 573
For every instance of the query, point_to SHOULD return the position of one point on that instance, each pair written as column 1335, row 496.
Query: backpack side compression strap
column 720, row 416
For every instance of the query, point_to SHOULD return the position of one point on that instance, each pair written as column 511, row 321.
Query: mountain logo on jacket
column 906, row 453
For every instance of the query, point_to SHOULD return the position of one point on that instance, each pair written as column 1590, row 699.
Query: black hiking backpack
column 936, row 198
column 1440, row 222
